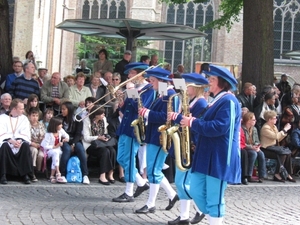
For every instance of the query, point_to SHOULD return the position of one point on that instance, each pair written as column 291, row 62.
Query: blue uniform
column 217, row 156
column 127, row 144
column 155, row 155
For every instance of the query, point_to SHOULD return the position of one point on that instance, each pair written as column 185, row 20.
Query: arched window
column 189, row 51
column 286, row 27
column 104, row 9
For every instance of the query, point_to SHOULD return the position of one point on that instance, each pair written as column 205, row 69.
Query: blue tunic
column 217, row 152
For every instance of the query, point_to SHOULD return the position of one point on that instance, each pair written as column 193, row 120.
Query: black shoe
column 3, row 179
column 197, row 218
column 145, row 209
column 123, row 198
column 290, row 179
column 103, row 182
column 27, row 179
column 245, row 181
column 111, row 181
column 122, row 180
column 178, row 221
column 141, row 189
column 277, row 179
column 172, row 202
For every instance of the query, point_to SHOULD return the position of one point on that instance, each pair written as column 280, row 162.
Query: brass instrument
column 113, row 90
column 138, row 124
column 164, row 138
column 181, row 139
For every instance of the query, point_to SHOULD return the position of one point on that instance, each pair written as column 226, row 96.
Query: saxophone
column 164, row 138
column 181, row 139
column 138, row 124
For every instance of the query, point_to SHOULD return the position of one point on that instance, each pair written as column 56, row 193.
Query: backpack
column 74, row 174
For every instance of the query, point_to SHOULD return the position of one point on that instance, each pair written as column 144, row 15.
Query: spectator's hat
column 195, row 78
column 136, row 65
column 128, row 52
column 159, row 73
column 42, row 69
column 220, row 71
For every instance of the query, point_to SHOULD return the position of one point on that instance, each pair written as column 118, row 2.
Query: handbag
column 102, row 144
column 280, row 150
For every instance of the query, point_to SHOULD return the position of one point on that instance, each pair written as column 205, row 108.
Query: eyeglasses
column 115, row 79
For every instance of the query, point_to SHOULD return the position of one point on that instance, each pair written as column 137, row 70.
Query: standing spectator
column 42, row 72
column 179, row 72
column 120, row 66
column 25, row 85
column 154, row 60
column 15, row 155
column 54, row 92
column 283, row 85
column 70, row 80
column 18, row 68
column 145, row 59
column 246, row 98
column 103, row 64
column 83, row 68
column 78, row 92
column 29, row 57
column 5, row 103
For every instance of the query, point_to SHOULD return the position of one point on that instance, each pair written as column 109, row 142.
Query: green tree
column 5, row 43
column 258, row 55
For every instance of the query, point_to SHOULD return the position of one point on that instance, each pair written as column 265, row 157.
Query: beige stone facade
column 35, row 21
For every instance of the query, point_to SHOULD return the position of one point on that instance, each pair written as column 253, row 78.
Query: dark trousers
column 106, row 157
column 284, row 160
column 244, row 163
column 66, row 154
column 19, row 164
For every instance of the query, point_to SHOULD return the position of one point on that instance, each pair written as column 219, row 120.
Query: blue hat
column 159, row 73
column 135, row 65
column 220, row 71
column 195, row 78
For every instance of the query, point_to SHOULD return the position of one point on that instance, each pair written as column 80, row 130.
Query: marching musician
column 197, row 104
column 217, row 156
column 156, row 115
column 127, row 144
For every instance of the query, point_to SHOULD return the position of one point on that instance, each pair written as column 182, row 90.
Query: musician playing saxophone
column 197, row 104
column 127, row 144
column 156, row 115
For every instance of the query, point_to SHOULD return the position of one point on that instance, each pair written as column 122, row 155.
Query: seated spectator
column 295, row 140
column 286, row 99
column 253, row 147
column 18, row 71
column 78, row 92
column 42, row 72
column 37, row 130
column 52, row 142
column 74, row 146
column 89, row 104
column 24, row 86
column 145, row 59
column 96, row 89
column 269, row 137
column 120, row 66
column 154, row 60
column 283, row 85
column 95, row 127
column 246, row 98
column 179, row 72
column 33, row 102
column 70, row 80
column 260, row 97
column 103, row 64
column 15, row 155
column 5, row 103
column 48, row 114
column 54, row 92
column 84, row 69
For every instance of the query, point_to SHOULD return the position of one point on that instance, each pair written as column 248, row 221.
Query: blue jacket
column 158, row 116
column 9, row 80
column 217, row 152
column 130, row 111
column 295, row 138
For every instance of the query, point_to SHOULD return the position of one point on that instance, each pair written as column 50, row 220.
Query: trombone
column 112, row 91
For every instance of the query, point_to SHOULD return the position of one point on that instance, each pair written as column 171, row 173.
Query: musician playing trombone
column 156, row 115
column 217, row 156
column 197, row 104
column 128, row 144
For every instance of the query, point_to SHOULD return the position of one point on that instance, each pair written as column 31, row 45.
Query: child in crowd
column 37, row 131
column 52, row 143
column 48, row 114
column 33, row 102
